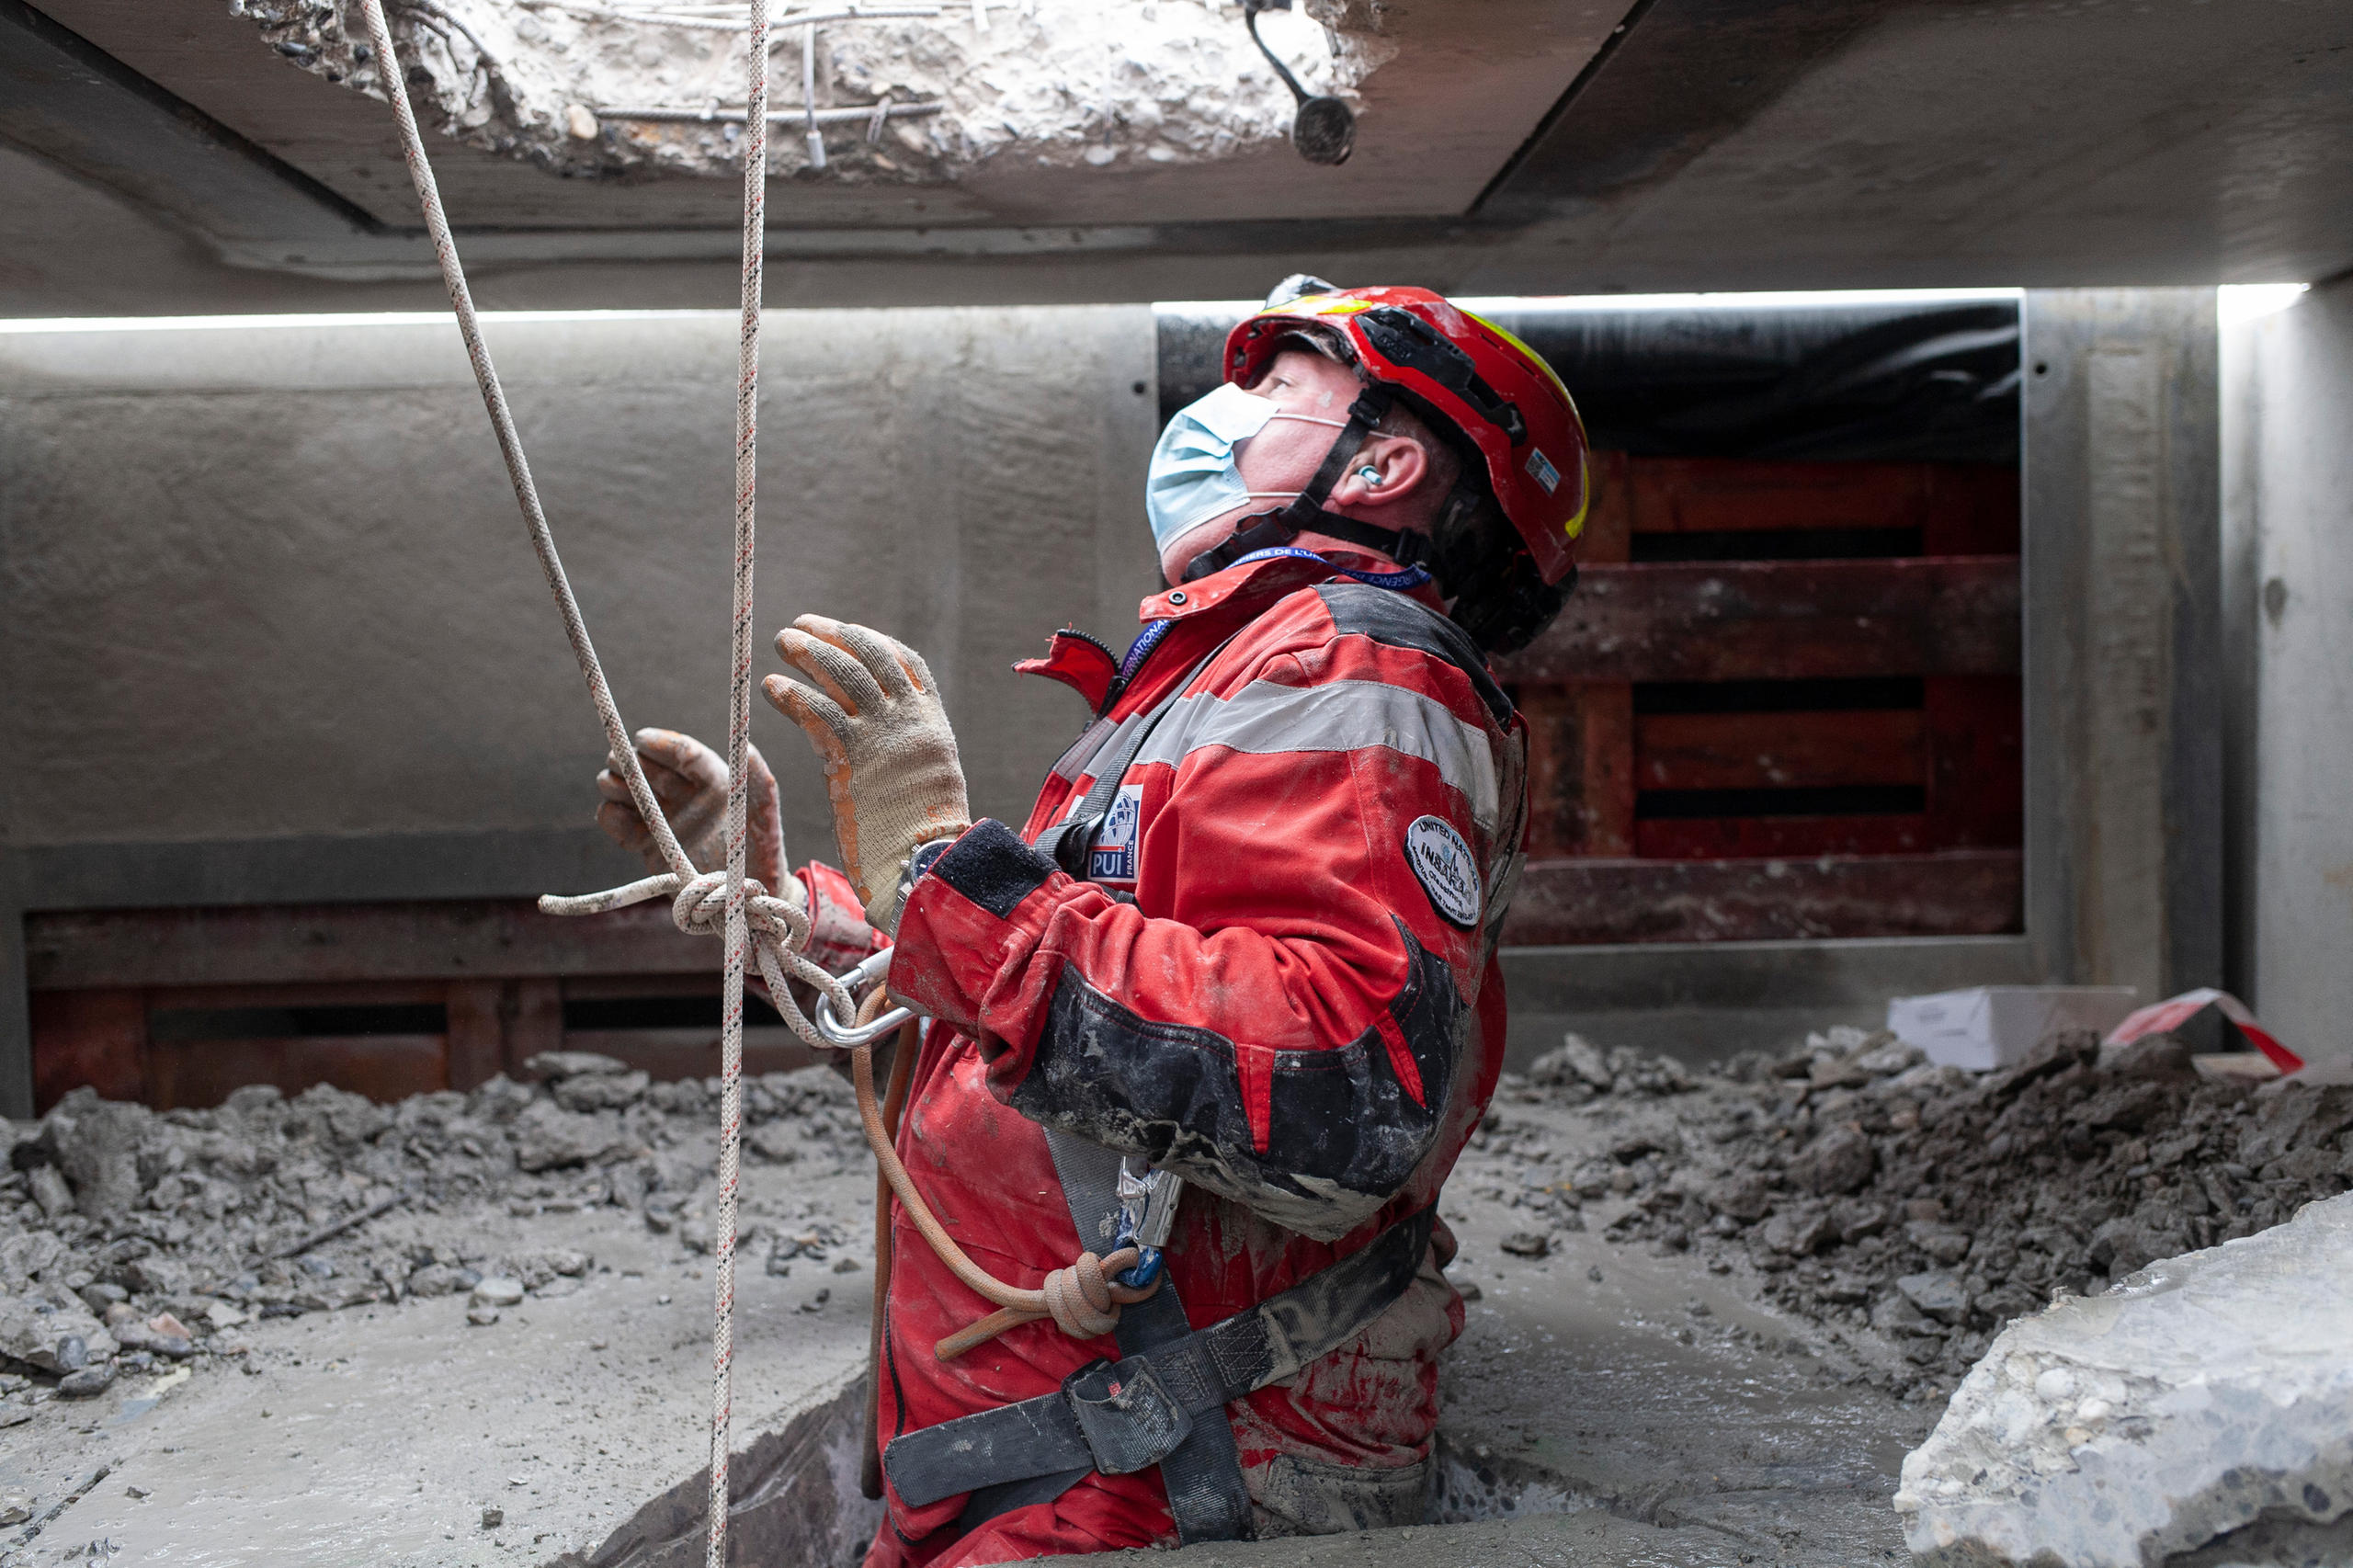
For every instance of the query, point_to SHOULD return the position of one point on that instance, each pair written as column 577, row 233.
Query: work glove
column 690, row 781
column 890, row 758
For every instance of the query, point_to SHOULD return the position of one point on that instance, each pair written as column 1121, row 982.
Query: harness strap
column 1127, row 1415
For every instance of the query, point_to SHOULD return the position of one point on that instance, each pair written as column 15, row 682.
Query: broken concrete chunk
column 1577, row 1061
column 775, row 1143
column 1855, row 1218
column 599, row 1091
column 558, row 1065
column 2294, row 1115
column 1839, row 1162
column 1798, row 1232
column 1937, row 1294
column 1746, row 1196
column 56, row 1339
column 1941, row 1241
column 501, row 1100
column 95, row 1143
column 2162, row 1058
column 1528, row 1244
column 2134, row 1241
column 49, row 1192
column 86, row 1384
column 498, row 1292
column 2203, row 1403
column 547, row 1138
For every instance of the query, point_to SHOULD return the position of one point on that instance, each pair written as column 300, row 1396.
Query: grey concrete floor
column 380, row 1434
column 1607, row 1404
column 1606, row 1421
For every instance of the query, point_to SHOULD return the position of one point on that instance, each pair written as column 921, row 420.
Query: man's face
column 1284, row 455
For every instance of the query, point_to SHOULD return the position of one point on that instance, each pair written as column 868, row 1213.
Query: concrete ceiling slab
column 1717, row 144
column 1462, row 91
column 2050, row 141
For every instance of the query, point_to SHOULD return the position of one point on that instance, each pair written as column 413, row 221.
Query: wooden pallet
column 1669, row 686
column 146, row 1003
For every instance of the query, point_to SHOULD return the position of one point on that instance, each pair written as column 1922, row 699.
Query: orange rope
column 1084, row 1300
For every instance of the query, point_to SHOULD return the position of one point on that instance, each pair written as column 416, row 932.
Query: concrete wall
column 270, row 632
column 270, row 628
column 2288, row 425
column 2123, row 638
column 269, row 581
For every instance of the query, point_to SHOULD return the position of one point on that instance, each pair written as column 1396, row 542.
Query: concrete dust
column 1056, row 84
column 528, row 1332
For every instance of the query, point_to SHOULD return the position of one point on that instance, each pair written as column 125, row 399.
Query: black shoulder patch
column 992, row 867
column 1387, row 616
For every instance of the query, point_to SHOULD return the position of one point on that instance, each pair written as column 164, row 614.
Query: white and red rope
column 781, row 927
column 1081, row 1300
column 739, row 739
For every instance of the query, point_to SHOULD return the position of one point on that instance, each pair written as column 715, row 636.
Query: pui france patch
column 1443, row 864
column 1113, row 859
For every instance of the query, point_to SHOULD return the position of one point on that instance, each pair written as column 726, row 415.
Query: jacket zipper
column 1138, row 652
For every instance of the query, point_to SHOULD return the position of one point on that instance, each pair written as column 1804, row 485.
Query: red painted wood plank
column 1779, row 751
column 1961, row 892
column 1734, row 839
column 287, row 944
column 1719, row 494
column 383, row 1067
column 1972, row 509
column 1580, row 768
column 98, row 1037
column 1608, row 518
column 1976, row 762
column 1781, row 620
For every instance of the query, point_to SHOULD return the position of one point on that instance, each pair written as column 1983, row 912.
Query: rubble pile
column 129, row 1237
column 1925, row 1204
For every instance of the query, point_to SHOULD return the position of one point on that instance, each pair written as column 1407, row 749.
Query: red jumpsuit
column 1299, row 1013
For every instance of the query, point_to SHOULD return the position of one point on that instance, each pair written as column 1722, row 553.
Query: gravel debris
column 131, row 1239
column 1908, row 1206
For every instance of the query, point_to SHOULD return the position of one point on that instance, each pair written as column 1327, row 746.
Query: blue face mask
column 1193, row 475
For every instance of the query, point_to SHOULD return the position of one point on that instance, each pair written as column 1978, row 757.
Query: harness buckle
column 1126, row 1418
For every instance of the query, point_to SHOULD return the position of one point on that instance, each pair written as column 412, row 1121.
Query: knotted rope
column 743, row 907
column 1082, row 1300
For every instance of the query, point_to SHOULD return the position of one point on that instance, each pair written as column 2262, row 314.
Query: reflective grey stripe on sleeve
column 1266, row 719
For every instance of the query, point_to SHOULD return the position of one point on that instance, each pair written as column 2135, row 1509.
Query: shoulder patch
column 1446, row 868
column 1386, row 615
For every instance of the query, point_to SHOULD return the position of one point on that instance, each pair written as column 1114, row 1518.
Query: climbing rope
column 1083, row 1298
column 759, row 926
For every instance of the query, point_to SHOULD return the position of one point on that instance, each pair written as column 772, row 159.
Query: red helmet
column 1469, row 374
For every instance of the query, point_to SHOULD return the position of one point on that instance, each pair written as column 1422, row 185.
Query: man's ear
column 1385, row 471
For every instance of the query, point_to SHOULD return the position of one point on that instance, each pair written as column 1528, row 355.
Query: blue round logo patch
column 1444, row 865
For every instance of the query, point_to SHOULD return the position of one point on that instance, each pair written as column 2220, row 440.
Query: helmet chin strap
column 1306, row 514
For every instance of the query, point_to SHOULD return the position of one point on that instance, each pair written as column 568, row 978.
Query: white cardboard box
column 1988, row 1026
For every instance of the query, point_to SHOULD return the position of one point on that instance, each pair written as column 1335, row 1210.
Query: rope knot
column 1079, row 1299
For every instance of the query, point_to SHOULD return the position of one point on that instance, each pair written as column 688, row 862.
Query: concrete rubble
column 2200, row 1413
column 200, row 1215
column 1047, row 83
column 1917, row 1209
column 523, row 1250
column 1711, row 1308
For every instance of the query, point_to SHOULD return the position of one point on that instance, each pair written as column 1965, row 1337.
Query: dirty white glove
column 890, row 758
column 690, row 781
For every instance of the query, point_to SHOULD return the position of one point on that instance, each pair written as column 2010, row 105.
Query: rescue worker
column 1246, row 936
